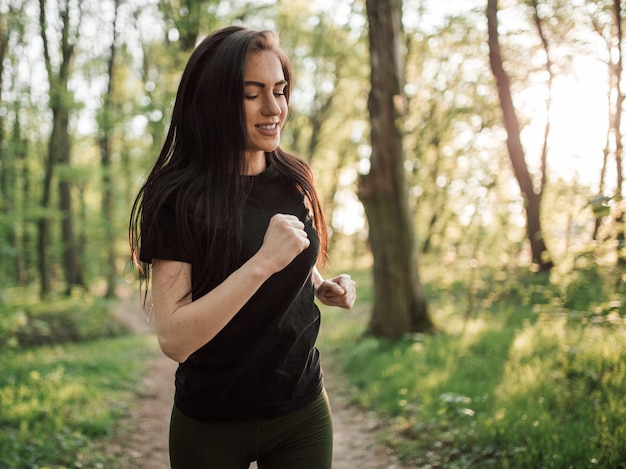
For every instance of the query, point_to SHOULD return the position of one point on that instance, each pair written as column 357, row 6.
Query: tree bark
column 59, row 148
column 104, row 141
column 5, row 167
column 71, row 255
column 600, row 204
column 43, row 224
column 617, row 132
column 540, row 255
column 546, row 134
column 619, row 98
column 18, row 145
column 400, row 305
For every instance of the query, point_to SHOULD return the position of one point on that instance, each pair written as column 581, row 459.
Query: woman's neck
column 255, row 163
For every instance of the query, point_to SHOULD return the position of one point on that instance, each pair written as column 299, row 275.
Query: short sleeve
column 162, row 239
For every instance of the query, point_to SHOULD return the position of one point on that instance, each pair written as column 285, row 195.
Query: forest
column 469, row 155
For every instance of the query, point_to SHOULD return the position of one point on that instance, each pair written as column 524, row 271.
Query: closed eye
column 251, row 97
column 279, row 88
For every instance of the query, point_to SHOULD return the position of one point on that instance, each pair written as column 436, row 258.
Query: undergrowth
column 57, row 400
column 532, row 376
column 26, row 321
column 68, row 372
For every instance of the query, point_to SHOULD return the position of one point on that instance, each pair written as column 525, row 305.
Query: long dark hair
column 203, row 158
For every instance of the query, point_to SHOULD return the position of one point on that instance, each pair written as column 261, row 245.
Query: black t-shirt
column 264, row 362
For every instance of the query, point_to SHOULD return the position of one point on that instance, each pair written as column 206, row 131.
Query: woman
column 229, row 228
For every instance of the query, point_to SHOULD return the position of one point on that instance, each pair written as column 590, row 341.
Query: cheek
column 247, row 112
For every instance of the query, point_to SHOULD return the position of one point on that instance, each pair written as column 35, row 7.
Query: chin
column 269, row 148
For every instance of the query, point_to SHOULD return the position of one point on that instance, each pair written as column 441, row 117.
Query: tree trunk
column 106, row 127
column 600, row 205
column 58, row 152
column 5, row 197
column 71, row 254
column 43, row 224
column 540, row 255
column 18, row 144
column 546, row 134
column 617, row 132
column 400, row 305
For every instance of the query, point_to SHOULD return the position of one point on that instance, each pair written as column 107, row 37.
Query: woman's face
column 265, row 104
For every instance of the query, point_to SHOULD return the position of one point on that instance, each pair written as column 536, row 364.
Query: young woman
column 229, row 229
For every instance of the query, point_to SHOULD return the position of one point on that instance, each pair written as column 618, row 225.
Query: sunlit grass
column 518, row 384
column 56, row 400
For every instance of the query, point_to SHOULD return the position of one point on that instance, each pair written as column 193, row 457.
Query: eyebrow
column 262, row 85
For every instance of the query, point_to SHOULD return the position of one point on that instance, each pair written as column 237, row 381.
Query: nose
column 270, row 106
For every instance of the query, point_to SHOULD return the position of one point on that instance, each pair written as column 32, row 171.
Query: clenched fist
column 339, row 291
column 284, row 239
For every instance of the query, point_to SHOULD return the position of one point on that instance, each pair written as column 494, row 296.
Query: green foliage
column 586, row 285
column 56, row 401
column 26, row 321
column 525, row 382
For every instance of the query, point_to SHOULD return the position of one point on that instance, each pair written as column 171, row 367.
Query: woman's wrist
column 260, row 268
column 316, row 278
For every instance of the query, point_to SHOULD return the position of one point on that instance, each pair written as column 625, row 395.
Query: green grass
column 532, row 375
column 521, row 383
column 56, row 401
column 26, row 321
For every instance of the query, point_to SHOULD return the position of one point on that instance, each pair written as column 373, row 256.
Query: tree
column 329, row 73
column 616, row 73
column 619, row 147
column 9, row 152
column 59, row 148
column 549, row 69
column 449, row 112
column 104, row 142
column 400, row 305
column 606, row 21
column 532, row 197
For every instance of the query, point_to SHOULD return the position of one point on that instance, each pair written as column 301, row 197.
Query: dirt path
column 141, row 438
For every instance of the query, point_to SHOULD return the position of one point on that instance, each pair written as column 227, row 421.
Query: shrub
column 28, row 322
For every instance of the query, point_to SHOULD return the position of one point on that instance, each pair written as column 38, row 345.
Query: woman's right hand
column 284, row 239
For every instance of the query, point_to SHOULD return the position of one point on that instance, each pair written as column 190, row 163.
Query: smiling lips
column 269, row 129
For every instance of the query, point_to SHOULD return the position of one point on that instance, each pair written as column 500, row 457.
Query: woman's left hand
column 339, row 291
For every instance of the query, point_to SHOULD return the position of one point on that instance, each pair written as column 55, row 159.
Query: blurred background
column 87, row 88
column 507, row 210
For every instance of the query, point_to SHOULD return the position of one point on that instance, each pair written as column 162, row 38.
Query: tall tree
column 617, row 132
column 14, row 172
column 606, row 19
column 600, row 204
column 532, row 197
column 4, row 45
column 5, row 165
column 444, row 102
column 400, row 305
column 550, row 72
column 328, row 67
column 14, row 181
column 59, row 147
column 104, row 142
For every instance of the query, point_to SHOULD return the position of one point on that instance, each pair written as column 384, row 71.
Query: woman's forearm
column 182, row 328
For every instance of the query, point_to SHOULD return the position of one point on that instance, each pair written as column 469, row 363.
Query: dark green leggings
column 302, row 440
